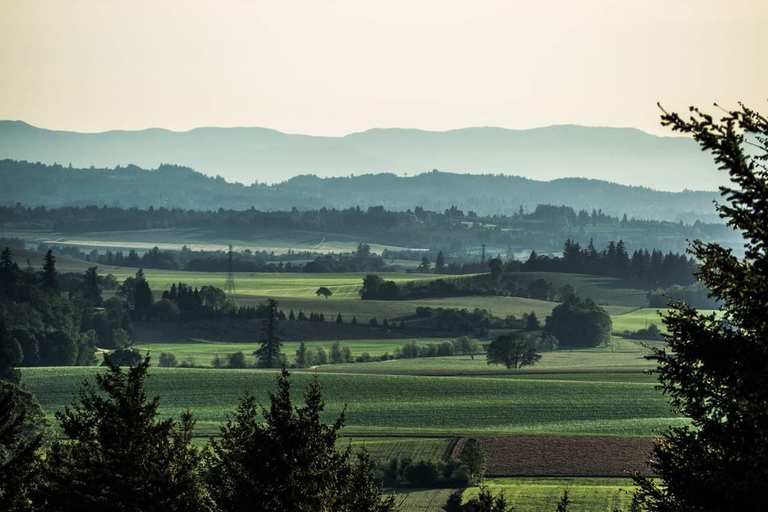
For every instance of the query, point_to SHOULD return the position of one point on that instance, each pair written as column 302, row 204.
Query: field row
column 404, row 405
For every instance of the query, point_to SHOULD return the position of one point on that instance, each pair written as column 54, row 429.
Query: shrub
column 167, row 360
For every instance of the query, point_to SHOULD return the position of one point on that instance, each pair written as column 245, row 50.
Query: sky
column 337, row 67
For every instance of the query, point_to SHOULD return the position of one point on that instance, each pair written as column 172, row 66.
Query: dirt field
column 565, row 456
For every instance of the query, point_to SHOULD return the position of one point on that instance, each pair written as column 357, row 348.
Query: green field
column 198, row 239
column 203, row 352
column 542, row 494
column 383, row 449
column 624, row 355
column 403, row 405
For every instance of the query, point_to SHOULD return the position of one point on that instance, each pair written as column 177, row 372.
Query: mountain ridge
column 248, row 154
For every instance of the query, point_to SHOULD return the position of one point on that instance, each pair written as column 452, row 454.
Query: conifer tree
column 714, row 369
column 118, row 455
column 269, row 355
column 20, row 441
column 50, row 280
column 284, row 459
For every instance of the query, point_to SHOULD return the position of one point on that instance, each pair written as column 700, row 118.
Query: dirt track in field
column 565, row 455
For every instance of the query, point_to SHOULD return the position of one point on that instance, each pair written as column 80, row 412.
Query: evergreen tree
column 50, row 280
column 11, row 355
column 9, row 273
column 284, row 459
column 91, row 289
column 291, row 316
column 562, row 505
column 339, row 320
column 118, row 455
column 714, row 368
column 440, row 263
column 301, row 356
column 269, row 355
column 143, row 294
column 354, row 321
column 21, row 438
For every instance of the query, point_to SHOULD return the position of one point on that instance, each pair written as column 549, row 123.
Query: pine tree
column 714, row 368
column 562, row 505
column 440, row 263
column 118, row 455
column 269, row 355
column 50, row 280
column 91, row 289
column 20, row 441
column 354, row 321
column 301, row 356
column 284, row 459
column 339, row 320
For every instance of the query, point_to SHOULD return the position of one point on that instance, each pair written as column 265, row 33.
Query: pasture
column 586, row 494
column 397, row 405
column 200, row 239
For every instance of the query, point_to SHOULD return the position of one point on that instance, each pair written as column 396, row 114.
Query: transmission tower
column 229, row 287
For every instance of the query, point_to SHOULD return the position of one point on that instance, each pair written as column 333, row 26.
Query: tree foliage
column 513, row 351
column 284, row 459
column 714, row 368
column 578, row 323
column 118, row 455
column 269, row 354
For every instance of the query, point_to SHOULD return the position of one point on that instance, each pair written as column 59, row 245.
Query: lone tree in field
column 284, row 459
column 473, row 459
column 325, row 292
column 578, row 323
column 513, row 351
column 269, row 355
column 118, row 455
column 714, row 368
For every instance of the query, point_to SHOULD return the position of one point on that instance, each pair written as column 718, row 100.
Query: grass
column 421, row 500
column 384, row 449
column 625, row 355
column 390, row 405
column 202, row 352
column 586, row 494
column 641, row 319
column 198, row 239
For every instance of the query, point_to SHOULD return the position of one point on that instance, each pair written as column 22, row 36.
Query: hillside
column 622, row 155
column 35, row 184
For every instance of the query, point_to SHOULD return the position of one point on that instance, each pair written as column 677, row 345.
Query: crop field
column 203, row 352
column 421, row 500
column 403, row 405
column 641, row 319
column 277, row 285
column 198, row 239
column 586, row 494
column 384, row 449
column 625, row 355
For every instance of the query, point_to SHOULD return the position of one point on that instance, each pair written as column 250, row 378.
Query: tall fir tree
column 269, row 355
column 119, row 456
column 50, row 279
column 714, row 368
column 284, row 459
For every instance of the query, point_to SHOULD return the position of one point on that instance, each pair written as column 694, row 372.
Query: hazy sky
column 335, row 67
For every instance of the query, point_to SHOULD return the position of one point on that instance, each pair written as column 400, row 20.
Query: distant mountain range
column 34, row 184
column 621, row 155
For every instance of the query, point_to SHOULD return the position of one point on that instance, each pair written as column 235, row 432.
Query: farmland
column 404, row 405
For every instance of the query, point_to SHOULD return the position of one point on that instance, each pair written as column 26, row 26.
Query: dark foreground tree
column 269, row 354
column 119, row 456
column 284, row 459
column 714, row 368
column 21, row 437
column 513, row 351
column 485, row 501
